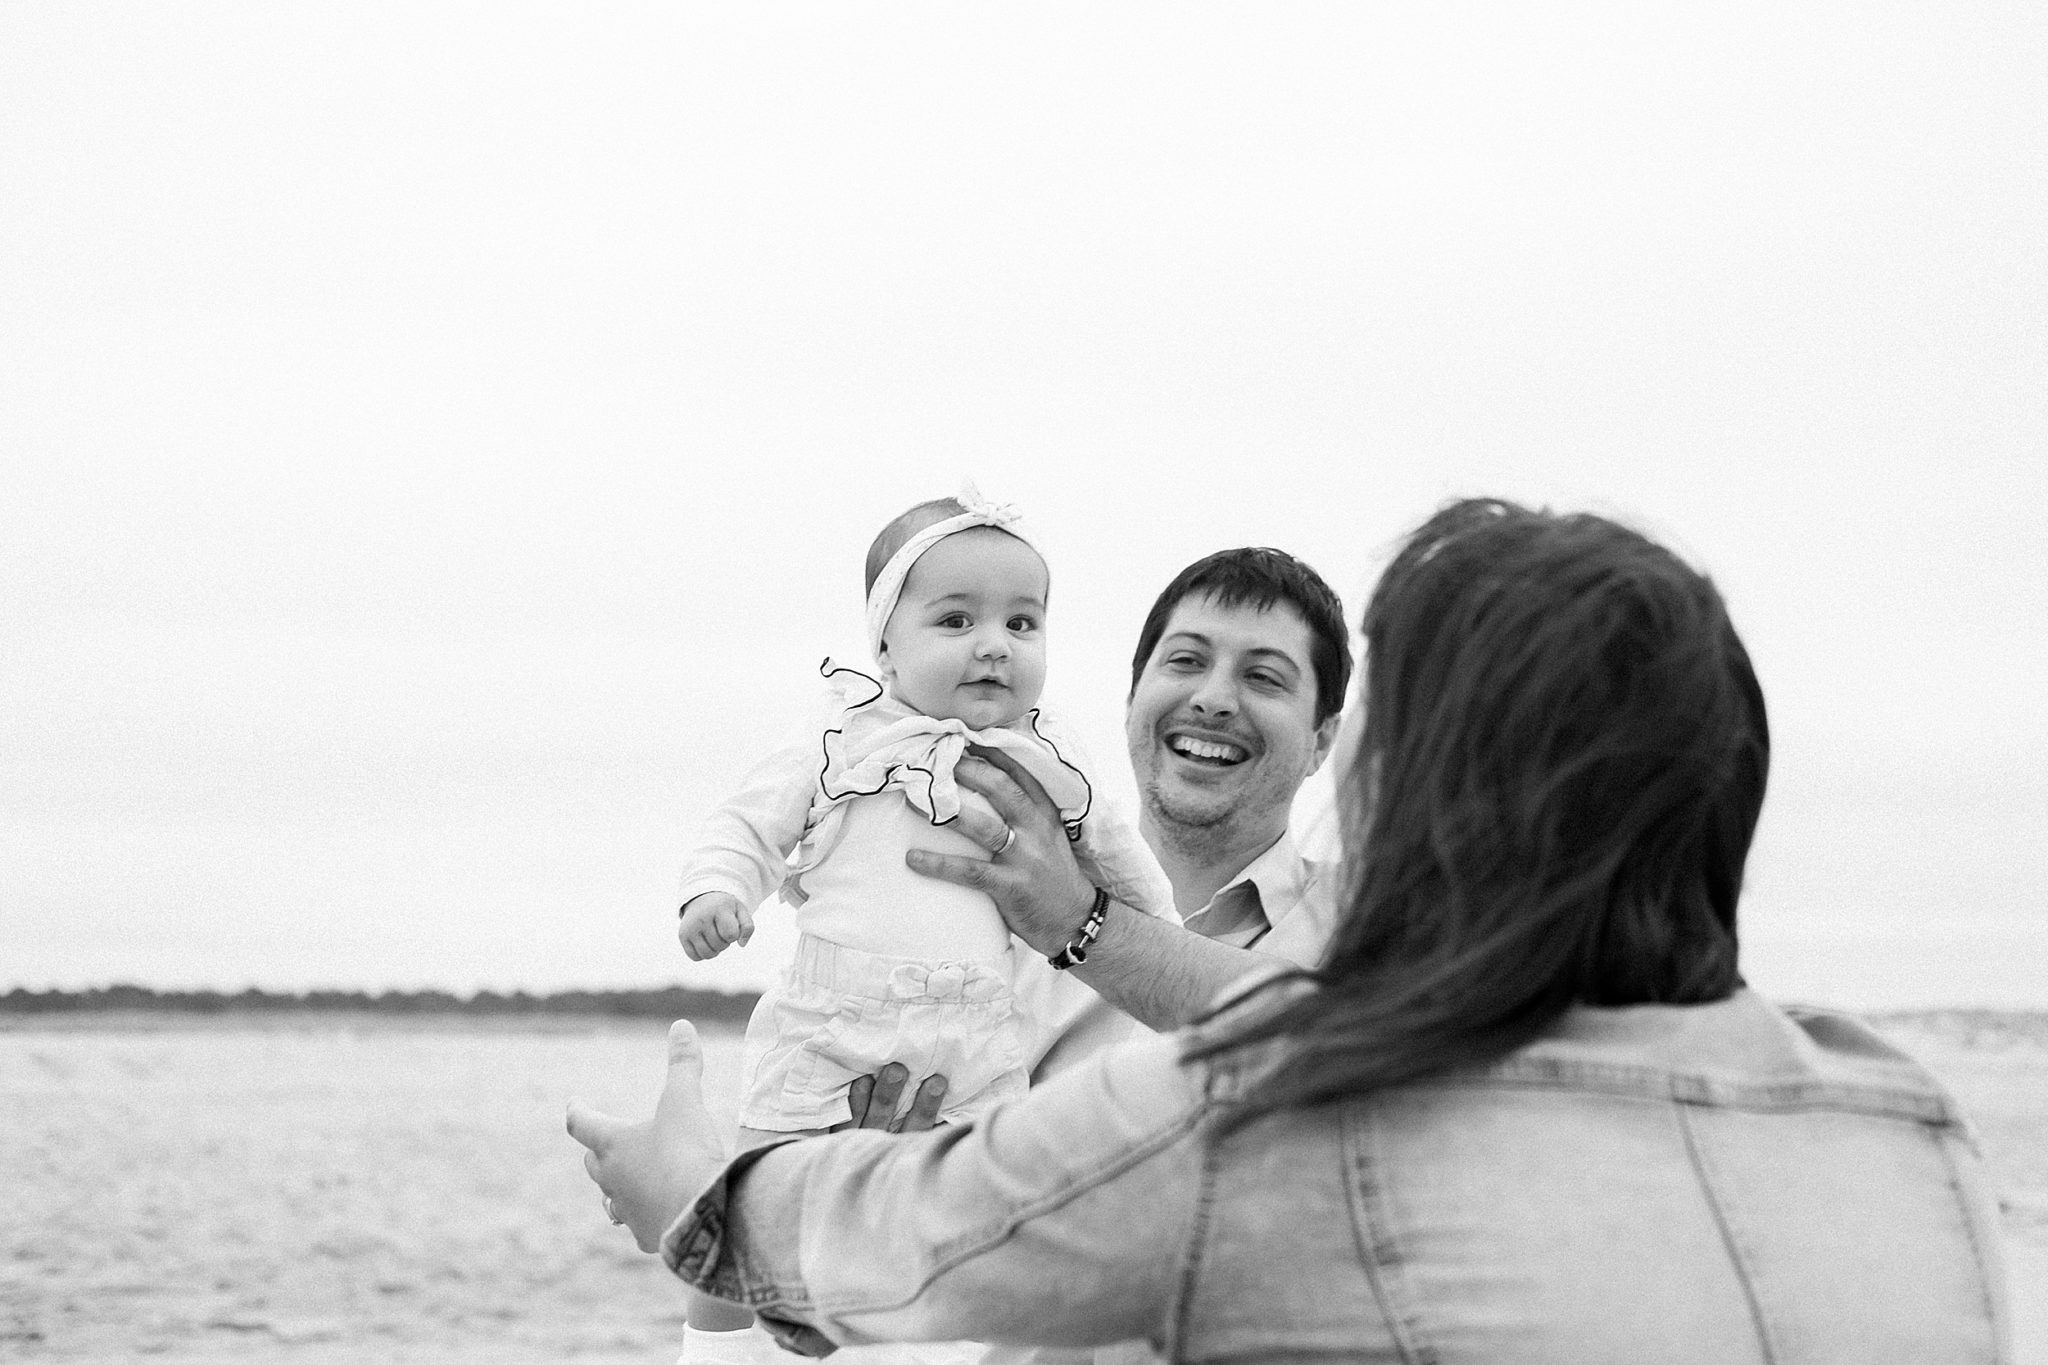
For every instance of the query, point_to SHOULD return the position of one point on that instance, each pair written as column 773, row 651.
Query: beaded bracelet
column 1076, row 951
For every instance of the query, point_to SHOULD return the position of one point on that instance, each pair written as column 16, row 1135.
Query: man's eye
column 1183, row 661
column 1262, row 678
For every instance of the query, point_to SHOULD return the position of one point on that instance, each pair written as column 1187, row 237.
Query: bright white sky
column 440, row 441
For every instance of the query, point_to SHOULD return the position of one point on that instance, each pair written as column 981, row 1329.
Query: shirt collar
column 1280, row 875
column 1271, row 886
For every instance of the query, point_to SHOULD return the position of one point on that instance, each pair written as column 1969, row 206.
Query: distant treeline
column 670, row 1002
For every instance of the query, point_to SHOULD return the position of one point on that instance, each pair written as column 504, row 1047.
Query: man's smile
column 1207, row 750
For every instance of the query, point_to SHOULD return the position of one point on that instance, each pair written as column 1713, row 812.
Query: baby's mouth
column 1213, row 752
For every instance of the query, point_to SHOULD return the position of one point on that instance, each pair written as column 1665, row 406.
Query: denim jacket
column 1717, row 1183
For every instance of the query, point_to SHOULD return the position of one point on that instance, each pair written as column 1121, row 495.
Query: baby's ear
column 882, row 662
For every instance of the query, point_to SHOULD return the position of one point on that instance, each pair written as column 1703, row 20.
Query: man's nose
column 1216, row 696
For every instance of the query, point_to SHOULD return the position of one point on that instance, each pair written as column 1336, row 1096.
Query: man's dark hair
column 1563, row 760
column 1257, row 577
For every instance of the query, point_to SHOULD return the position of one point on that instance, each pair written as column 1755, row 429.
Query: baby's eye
column 954, row 620
column 1023, row 624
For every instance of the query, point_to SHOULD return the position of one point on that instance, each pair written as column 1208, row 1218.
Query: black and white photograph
column 1444, row 608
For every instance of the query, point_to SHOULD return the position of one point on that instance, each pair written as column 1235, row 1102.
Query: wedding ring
column 1009, row 837
column 613, row 1213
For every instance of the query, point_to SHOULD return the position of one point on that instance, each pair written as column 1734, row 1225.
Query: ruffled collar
column 872, row 743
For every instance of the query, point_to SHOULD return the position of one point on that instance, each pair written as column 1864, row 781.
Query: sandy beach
column 342, row 1189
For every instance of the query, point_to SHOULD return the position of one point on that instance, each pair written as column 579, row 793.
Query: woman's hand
column 1033, row 877
column 649, row 1171
column 873, row 1100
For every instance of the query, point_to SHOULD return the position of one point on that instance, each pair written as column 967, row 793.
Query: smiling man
column 1235, row 687
column 1236, row 684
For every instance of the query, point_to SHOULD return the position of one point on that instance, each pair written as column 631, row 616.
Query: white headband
column 889, row 582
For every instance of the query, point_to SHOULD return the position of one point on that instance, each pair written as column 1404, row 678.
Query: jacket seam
column 1198, row 1234
column 1684, row 1119
column 1804, row 1096
column 1376, row 1247
column 1970, row 1231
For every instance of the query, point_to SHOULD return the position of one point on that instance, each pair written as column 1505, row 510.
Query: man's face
column 1221, row 725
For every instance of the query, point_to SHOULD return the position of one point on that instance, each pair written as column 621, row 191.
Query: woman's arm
column 1061, row 1219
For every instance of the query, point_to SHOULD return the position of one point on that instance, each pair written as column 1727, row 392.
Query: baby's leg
column 707, row 1314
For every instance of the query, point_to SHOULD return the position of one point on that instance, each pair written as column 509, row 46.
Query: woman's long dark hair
column 1563, row 759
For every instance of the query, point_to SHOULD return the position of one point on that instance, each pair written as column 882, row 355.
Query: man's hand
column 874, row 1099
column 713, row 922
column 1035, row 881
column 649, row 1171
column 1152, row 969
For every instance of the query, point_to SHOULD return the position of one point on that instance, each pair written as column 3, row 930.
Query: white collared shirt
column 1282, row 904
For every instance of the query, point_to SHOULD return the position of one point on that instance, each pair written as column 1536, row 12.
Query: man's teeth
column 1206, row 748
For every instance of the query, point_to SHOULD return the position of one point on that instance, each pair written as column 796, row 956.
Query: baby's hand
column 712, row 923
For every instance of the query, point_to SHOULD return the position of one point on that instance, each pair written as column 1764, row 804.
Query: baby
column 891, row 965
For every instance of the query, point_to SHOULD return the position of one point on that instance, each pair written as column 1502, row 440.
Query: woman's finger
column 889, row 1083
column 924, row 1109
column 857, row 1095
column 685, row 1051
column 591, row 1127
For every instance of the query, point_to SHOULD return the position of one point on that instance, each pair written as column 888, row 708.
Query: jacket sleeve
column 1061, row 1219
column 744, row 845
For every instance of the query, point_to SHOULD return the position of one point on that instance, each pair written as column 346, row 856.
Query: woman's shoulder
column 1742, row 1050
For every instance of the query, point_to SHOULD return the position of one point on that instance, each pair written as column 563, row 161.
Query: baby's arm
column 742, row 853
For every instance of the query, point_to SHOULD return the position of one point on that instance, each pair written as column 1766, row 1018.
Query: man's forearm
column 1160, row 974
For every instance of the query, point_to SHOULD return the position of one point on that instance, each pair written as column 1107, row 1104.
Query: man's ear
column 1326, row 737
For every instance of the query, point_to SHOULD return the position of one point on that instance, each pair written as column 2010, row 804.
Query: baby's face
column 967, row 639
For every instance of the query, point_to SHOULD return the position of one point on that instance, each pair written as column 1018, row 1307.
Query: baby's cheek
column 1034, row 676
